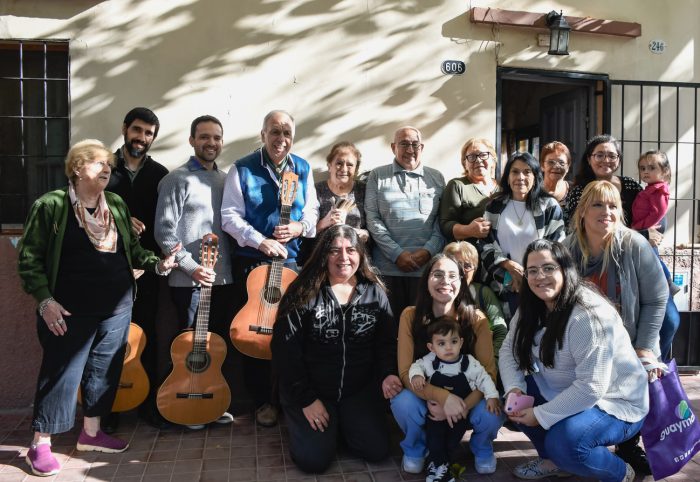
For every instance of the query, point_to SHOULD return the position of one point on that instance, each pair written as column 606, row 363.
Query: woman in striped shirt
column 589, row 386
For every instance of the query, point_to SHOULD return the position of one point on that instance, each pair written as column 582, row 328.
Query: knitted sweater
column 644, row 290
column 595, row 366
column 189, row 206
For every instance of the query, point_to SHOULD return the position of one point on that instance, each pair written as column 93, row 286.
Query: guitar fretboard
column 202, row 324
column 275, row 276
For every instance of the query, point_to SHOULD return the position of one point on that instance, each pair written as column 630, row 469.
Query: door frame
column 554, row 77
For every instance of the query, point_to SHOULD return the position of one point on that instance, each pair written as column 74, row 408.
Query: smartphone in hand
column 516, row 402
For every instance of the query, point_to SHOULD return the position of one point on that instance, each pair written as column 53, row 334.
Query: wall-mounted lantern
column 558, row 33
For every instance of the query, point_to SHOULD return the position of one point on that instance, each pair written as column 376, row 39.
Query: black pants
column 186, row 301
column 402, row 293
column 441, row 438
column 359, row 418
column 257, row 373
column 144, row 314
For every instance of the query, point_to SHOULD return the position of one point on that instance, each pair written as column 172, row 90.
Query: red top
column 650, row 206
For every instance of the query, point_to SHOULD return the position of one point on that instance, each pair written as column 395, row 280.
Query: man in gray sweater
column 189, row 206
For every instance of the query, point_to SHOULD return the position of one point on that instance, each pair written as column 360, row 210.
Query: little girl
column 649, row 210
column 650, row 205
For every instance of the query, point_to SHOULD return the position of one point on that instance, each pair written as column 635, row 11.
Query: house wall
column 346, row 70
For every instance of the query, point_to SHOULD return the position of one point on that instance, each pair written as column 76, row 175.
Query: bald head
column 407, row 147
column 277, row 135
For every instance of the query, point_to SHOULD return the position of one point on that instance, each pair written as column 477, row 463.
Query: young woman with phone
column 589, row 387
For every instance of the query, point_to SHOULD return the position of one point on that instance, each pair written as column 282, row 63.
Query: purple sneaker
column 101, row 443
column 42, row 461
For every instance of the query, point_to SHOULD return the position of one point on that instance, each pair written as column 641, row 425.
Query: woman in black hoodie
column 334, row 349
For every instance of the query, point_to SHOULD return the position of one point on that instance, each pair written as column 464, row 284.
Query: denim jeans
column 89, row 355
column 579, row 443
column 672, row 319
column 410, row 412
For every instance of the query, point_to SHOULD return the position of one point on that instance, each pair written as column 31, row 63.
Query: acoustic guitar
column 133, row 384
column 251, row 328
column 196, row 392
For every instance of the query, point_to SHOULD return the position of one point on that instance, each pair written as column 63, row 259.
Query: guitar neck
column 202, row 323
column 285, row 212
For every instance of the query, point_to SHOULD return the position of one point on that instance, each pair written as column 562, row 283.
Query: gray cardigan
column 643, row 284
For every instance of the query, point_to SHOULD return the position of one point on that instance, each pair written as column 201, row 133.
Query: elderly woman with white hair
column 76, row 259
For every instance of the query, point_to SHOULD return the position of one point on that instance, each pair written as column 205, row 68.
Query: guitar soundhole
column 198, row 362
column 273, row 295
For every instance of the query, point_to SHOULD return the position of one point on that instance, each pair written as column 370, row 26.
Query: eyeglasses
column 545, row 269
column 555, row 162
column 441, row 275
column 468, row 267
column 474, row 156
column 600, row 156
column 416, row 146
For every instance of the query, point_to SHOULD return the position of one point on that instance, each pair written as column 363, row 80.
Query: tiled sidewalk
column 242, row 452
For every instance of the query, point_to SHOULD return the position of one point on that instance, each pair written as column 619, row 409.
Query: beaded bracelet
column 44, row 304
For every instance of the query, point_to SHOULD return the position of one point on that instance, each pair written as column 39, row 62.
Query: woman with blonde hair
column 624, row 267
column 76, row 258
column 464, row 199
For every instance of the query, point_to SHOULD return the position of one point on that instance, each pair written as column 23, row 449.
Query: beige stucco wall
column 346, row 69
column 352, row 70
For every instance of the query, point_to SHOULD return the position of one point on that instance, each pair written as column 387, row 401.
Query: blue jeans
column 672, row 318
column 579, row 443
column 410, row 412
column 89, row 355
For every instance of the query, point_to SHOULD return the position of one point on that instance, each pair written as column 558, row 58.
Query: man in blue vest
column 250, row 212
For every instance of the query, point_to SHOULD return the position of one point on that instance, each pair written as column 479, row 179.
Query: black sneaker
column 634, row 455
column 439, row 473
column 110, row 423
column 153, row 418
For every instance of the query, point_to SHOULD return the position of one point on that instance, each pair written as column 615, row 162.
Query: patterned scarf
column 99, row 226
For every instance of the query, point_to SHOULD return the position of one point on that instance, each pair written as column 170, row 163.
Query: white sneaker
column 485, row 465
column 629, row 474
column 412, row 465
column 225, row 419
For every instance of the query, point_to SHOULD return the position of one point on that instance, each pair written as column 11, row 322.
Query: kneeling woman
column 334, row 349
column 589, row 386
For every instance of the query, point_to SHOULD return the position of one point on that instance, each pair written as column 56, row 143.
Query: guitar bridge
column 126, row 385
column 197, row 396
column 260, row 330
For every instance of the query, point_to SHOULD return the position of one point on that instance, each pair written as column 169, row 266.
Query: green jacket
column 40, row 246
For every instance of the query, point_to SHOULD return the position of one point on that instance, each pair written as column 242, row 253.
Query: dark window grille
column 34, row 124
column 665, row 115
